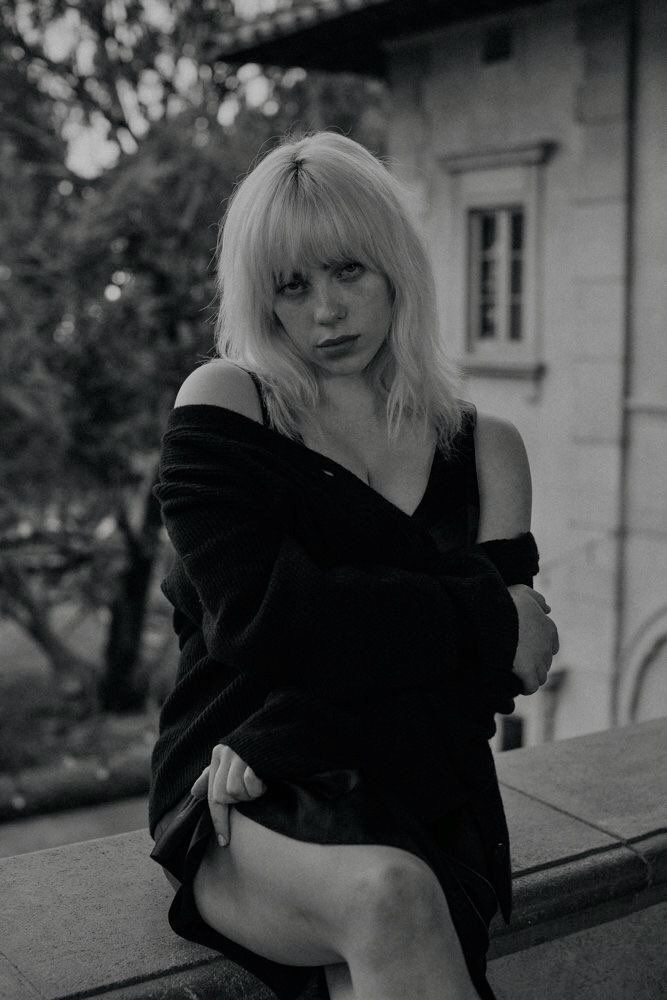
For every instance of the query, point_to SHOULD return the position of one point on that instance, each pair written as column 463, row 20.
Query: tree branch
column 47, row 142
column 19, row 603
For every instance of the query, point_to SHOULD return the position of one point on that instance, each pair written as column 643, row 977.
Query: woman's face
column 337, row 316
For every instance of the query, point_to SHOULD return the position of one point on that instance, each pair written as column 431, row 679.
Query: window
column 495, row 275
column 488, row 251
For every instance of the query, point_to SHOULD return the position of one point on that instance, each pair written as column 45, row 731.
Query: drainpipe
column 620, row 596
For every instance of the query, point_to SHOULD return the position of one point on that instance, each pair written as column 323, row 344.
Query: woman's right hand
column 538, row 638
column 226, row 780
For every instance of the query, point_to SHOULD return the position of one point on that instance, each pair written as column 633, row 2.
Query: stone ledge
column 581, row 893
column 588, row 845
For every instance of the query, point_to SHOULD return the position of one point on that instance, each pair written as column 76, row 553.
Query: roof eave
column 352, row 40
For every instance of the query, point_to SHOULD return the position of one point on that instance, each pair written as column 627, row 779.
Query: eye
column 351, row 269
column 293, row 286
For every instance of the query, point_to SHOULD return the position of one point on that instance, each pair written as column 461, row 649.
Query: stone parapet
column 589, row 848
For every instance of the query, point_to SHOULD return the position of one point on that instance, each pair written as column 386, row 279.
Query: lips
column 337, row 341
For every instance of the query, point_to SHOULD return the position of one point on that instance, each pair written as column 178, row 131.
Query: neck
column 349, row 396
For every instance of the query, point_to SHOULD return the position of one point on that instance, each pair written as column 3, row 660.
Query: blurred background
column 534, row 139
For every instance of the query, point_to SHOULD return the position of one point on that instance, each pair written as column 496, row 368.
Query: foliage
column 29, row 711
column 40, row 730
column 106, row 283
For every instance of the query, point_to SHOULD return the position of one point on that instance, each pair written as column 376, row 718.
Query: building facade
column 535, row 139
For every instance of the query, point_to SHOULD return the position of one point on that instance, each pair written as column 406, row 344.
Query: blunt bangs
column 304, row 226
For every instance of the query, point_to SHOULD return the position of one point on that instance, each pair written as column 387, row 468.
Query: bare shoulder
column 221, row 383
column 503, row 475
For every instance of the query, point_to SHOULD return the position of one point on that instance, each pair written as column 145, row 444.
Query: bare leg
column 339, row 982
column 376, row 910
column 409, row 948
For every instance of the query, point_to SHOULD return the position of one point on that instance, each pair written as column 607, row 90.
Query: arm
column 503, row 476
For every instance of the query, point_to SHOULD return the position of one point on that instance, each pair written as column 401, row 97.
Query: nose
column 328, row 307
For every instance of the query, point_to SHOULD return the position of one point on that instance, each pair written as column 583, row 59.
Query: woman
column 352, row 600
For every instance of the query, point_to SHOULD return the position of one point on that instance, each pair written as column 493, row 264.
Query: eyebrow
column 282, row 276
column 297, row 272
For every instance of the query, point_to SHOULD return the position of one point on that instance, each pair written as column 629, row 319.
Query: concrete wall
column 550, row 127
column 642, row 688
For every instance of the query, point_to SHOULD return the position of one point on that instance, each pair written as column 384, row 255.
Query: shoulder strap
column 470, row 472
column 260, row 394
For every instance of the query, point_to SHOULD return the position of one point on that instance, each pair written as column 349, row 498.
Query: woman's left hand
column 226, row 780
column 538, row 638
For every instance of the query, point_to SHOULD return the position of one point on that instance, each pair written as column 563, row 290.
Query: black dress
column 467, row 849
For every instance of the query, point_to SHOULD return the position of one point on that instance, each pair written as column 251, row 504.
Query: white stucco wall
column 645, row 607
column 566, row 84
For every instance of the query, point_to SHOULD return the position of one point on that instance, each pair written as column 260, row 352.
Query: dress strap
column 260, row 394
column 472, row 485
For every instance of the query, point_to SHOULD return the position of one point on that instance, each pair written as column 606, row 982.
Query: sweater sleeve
column 309, row 736
column 342, row 632
column 516, row 559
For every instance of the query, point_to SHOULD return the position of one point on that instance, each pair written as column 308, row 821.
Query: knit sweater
column 322, row 627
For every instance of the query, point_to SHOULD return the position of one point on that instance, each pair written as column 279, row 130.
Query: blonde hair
column 320, row 199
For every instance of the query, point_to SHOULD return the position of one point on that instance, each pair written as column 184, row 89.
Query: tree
column 110, row 287
column 141, row 247
column 32, row 172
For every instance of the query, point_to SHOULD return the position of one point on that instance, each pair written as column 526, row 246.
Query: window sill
column 486, row 368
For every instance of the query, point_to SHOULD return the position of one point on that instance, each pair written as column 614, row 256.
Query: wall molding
column 532, row 155
column 529, row 370
column 636, row 659
column 651, row 407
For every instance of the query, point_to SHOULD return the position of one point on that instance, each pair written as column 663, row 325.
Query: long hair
column 320, row 199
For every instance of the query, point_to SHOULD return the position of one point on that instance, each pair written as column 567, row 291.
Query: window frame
column 489, row 181
column 474, row 336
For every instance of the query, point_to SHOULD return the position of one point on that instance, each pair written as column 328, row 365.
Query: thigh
column 285, row 899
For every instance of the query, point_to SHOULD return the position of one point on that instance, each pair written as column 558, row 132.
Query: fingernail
column 222, row 840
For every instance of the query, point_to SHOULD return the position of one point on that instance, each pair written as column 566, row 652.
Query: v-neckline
column 343, row 468
column 326, row 464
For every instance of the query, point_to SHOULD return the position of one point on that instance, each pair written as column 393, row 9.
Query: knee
column 396, row 902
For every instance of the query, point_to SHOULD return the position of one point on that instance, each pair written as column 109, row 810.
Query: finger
column 212, row 770
column 254, row 785
column 555, row 642
column 217, row 786
column 527, row 682
column 530, row 686
column 236, row 789
column 199, row 789
column 540, row 600
column 220, row 819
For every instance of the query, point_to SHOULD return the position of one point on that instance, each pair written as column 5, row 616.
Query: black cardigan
column 320, row 626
